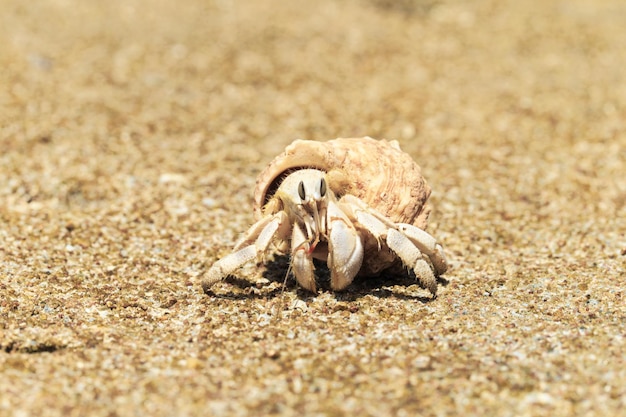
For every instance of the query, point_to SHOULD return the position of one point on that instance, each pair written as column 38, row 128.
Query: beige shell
column 376, row 171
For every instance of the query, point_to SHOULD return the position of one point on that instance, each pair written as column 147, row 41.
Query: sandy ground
column 131, row 133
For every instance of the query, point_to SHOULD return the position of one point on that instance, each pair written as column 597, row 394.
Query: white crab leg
column 427, row 244
column 301, row 259
column 261, row 234
column 345, row 250
column 412, row 257
column 375, row 223
column 408, row 242
column 262, row 230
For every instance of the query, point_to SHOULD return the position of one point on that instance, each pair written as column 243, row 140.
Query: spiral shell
column 376, row 171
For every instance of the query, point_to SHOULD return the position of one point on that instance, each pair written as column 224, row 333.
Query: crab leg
column 412, row 257
column 405, row 240
column 427, row 245
column 345, row 250
column 301, row 259
column 254, row 244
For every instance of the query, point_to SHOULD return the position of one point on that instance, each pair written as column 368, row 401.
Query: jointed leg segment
column 345, row 249
column 408, row 242
column 254, row 244
column 301, row 259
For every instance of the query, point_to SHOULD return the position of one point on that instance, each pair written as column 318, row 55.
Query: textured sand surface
column 131, row 133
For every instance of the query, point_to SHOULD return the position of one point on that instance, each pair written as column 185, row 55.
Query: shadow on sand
column 396, row 283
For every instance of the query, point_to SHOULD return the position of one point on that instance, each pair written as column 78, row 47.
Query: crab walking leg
column 301, row 259
column 427, row 244
column 407, row 241
column 375, row 223
column 345, row 250
column 262, row 230
column 261, row 234
column 400, row 244
column 412, row 257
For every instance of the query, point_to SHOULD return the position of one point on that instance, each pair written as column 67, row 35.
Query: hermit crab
column 357, row 203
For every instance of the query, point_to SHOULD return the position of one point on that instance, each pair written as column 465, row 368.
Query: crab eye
column 301, row 190
column 322, row 187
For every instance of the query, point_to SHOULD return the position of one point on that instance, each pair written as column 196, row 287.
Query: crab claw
column 301, row 259
column 345, row 250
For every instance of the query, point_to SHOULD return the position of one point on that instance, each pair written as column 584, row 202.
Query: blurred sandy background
column 131, row 132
